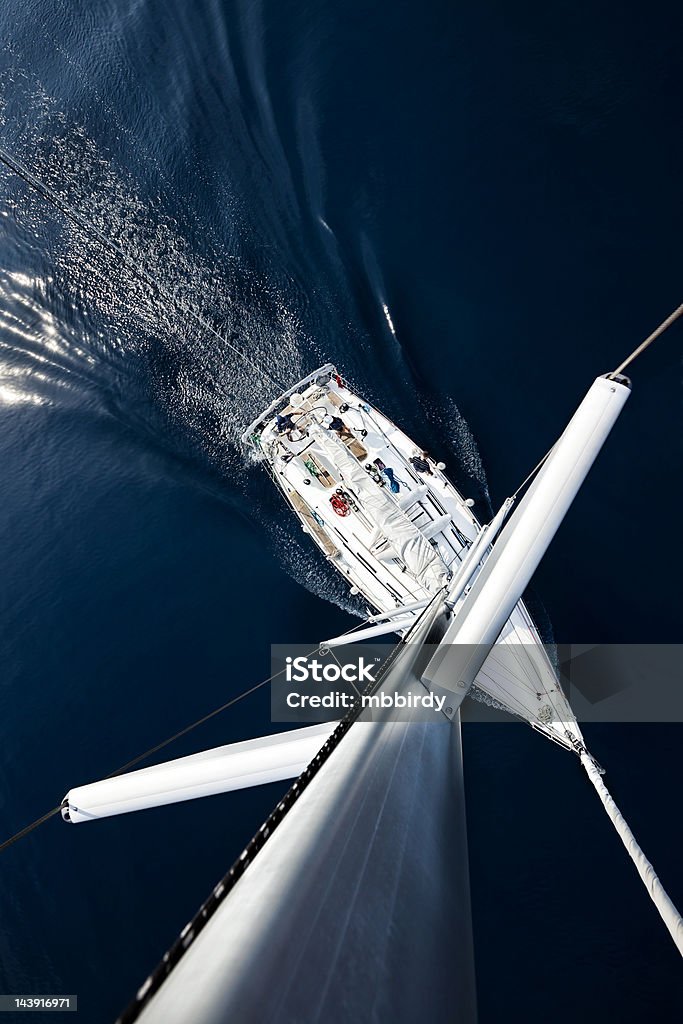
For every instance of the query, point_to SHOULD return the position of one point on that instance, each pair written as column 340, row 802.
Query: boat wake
column 81, row 330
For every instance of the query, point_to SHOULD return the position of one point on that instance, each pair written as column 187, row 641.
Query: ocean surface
column 473, row 209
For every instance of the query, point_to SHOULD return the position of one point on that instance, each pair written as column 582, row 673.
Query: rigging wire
column 141, row 757
column 82, row 222
column 648, row 341
column 532, row 474
column 29, row 828
column 159, row 746
column 665, row 324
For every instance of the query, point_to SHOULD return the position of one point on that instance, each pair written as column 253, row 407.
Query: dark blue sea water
column 473, row 209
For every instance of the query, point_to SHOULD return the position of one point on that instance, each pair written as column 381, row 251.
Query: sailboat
column 352, row 900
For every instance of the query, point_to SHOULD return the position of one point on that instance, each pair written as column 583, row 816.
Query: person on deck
column 284, row 423
column 419, row 461
column 337, row 424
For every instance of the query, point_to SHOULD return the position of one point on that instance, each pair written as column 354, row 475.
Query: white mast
column 357, row 905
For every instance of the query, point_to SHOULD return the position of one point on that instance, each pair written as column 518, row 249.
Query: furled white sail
column 235, row 766
column 661, row 899
column 523, row 542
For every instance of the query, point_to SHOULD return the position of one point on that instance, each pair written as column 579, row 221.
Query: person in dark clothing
column 420, row 463
column 284, row 423
column 337, row 424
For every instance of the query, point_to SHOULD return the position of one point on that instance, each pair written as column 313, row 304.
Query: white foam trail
column 387, row 316
column 114, row 322
column 452, row 425
column 209, row 384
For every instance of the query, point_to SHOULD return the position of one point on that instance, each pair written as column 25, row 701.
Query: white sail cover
column 661, row 899
column 508, row 570
column 254, row 762
column 421, row 559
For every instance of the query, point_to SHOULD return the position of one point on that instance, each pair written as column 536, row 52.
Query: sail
column 519, row 677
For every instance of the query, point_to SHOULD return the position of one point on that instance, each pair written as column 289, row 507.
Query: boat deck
column 343, row 466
